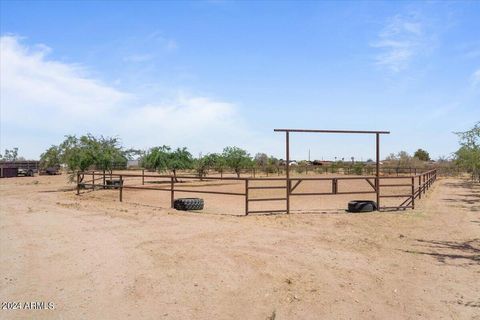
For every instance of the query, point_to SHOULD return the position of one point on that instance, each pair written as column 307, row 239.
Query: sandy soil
column 97, row 258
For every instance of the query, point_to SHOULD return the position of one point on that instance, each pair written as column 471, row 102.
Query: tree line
column 79, row 154
column 468, row 156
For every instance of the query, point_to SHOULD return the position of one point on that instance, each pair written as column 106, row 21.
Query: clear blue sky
column 210, row 74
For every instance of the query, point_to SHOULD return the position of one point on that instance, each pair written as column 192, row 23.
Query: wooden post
column 413, row 193
column 246, row 197
column 121, row 189
column 419, row 187
column 172, row 192
column 143, row 177
column 93, row 180
column 104, row 182
column 423, row 185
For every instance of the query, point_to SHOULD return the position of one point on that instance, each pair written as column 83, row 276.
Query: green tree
column 51, row 158
column 76, row 155
column 272, row 164
column 80, row 154
column 205, row 163
column 422, row 155
column 156, row 158
column 468, row 156
column 10, row 155
column 180, row 159
column 236, row 159
column 108, row 153
column 219, row 163
column 358, row 168
column 162, row 159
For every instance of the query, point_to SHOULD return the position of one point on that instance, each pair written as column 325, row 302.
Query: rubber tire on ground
column 362, row 206
column 113, row 183
column 186, row 204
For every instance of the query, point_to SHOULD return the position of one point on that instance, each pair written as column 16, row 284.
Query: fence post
column 104, row 182
column 93, row 180
column 121, row 188
column 78, row 183
column 334, row 186
column 419, row 187
column 413, row 193
column 143, row 177
column 246, row 197
column 172, row 192
column 423, row 185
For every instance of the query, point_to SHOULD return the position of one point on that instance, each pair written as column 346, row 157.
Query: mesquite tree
column 236, row 159
column 468, row 156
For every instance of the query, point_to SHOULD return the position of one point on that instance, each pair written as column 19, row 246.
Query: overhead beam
column 331, row 131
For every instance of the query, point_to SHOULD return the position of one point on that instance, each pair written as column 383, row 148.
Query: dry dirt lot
column 97, row 258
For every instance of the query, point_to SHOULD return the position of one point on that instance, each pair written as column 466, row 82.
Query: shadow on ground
column 449, row 251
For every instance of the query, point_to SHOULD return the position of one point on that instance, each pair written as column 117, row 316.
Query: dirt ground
column 97, row 258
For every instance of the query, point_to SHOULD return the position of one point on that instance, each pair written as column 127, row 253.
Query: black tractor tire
column 186, row 204
column 113, row 183
column 362, row 206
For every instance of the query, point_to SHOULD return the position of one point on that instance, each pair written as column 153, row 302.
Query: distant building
column 133, row 163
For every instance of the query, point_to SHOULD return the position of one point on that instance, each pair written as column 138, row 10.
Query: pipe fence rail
column 417, row 186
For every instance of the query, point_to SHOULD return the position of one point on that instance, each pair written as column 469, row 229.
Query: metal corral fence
column 415, row 184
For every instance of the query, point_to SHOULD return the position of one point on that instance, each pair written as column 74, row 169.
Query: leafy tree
column 468, row 156
column 10, row 155
column 203, row 164
column 77, row 155
column 219, row 163
column 180, row 159
column 272, row 164
column 261, row 160
column 51, row 158
column 156, row 158
column 162, row 159
column 80, row 154
column 107, row 153
column 422, row 155
column 236, row 159
column 402, row 159
column 358, row 168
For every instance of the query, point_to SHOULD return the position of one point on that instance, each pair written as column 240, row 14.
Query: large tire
column 113, row 183
column 362, row 206
column 186, row 204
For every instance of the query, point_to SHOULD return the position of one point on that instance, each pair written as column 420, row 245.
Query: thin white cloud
column 476, row 79
column 44, row 98
column 399, row 42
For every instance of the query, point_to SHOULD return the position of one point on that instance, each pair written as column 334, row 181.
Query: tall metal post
column 121, row 189
column 419, row 187
column 413, row 192
column 287, row 141
column 172, row 192
column 377, row 166
column 246, row 197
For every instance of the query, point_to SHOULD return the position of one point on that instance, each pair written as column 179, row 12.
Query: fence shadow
column 450, row 251
column 463, row 184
